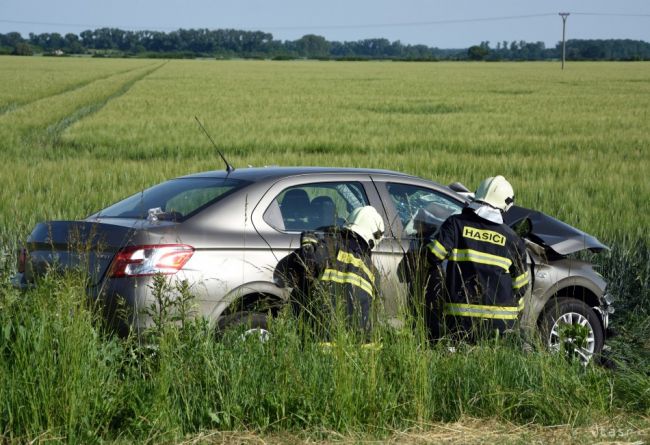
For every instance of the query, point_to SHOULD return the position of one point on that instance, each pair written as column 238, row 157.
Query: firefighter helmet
column 497, row 192
column 367, row 223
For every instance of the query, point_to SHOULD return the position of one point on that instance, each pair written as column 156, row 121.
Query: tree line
column 226, row 43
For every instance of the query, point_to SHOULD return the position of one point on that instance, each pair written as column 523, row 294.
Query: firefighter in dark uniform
column 481, row 291
column 332, row 272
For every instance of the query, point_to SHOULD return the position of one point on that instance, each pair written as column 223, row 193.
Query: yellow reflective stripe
column 348, row 258
column 474, row 256
column 347, row 278
column 309, row 240
column 485, row 307
column 438, row 250
column 493, row 316
column 327, row 345
column 521, row 280
column 484, row 311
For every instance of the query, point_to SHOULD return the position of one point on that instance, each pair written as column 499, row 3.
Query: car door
column 415, row 210
column 310, row 202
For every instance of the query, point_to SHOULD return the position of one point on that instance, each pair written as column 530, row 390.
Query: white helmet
column 497, row 192
column 367, row 223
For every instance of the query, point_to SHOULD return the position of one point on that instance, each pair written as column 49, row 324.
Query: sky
column 436, row 23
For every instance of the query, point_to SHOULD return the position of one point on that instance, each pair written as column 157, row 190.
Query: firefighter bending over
column 486, row 274
column 332, row 272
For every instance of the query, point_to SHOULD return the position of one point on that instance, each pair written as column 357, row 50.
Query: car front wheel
column 572, row 327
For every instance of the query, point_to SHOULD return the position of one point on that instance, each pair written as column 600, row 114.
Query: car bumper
column 605, row 310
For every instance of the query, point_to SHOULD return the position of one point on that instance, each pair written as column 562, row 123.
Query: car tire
column 246, row 323
column 572, row 313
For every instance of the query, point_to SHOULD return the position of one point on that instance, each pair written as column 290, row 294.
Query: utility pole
column 564, row 15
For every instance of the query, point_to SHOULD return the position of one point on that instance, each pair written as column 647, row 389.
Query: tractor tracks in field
column 38, row 126
column 53, row 132
column 15, row 106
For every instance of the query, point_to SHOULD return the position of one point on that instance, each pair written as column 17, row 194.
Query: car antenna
column 229, row 167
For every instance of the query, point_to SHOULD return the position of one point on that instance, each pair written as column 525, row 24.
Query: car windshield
column 173, row 200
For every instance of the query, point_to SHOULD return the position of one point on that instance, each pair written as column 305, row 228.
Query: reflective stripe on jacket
column 349, row 266
column 486, row 274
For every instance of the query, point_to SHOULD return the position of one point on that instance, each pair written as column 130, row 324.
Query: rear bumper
column 124, row 303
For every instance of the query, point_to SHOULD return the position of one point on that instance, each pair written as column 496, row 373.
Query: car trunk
column 86, row 246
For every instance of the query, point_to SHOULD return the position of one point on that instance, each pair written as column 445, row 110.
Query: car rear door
column 311, row 202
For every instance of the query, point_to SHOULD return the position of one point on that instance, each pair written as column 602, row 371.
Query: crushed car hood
column 552, row 233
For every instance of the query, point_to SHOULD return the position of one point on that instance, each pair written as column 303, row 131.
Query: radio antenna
column 229, row 167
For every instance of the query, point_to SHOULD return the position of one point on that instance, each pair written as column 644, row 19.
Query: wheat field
column 77, row 134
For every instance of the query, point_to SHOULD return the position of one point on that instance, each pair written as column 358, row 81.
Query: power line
column 83, row 25
column 610, row 14
column 330, row 26
column 341, row 26
column 404, row 24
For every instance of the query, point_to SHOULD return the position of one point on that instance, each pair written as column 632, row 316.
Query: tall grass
column 574, row 143
column 64, row 378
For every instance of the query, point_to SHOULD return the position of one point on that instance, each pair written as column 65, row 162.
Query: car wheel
column 249, row 324
column 571, row 326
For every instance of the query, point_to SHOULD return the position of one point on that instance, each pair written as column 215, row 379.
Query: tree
column 477, row 52
column 313, row 46
column 87, row 39
column 11, row 39
column 22, row 49
column 72, row 44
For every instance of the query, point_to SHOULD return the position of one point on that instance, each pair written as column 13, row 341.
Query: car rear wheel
column 248, row 324
column 571, row 326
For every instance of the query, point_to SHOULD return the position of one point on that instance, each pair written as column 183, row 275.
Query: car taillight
column 22, row 259
column 138, row 261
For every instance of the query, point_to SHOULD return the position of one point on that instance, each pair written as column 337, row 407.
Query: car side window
column 314, row 206
column 421, row 210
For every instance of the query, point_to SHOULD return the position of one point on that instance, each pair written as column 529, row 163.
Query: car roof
column 263, row 173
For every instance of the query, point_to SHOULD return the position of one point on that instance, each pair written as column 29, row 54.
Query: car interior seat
column 295, row 207
column 323, row 211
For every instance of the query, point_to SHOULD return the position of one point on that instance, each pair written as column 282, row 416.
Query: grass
column 64, row 378
column 79, row 134
column 551, row 132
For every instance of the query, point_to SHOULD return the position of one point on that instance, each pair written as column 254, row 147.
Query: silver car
column 224, row 232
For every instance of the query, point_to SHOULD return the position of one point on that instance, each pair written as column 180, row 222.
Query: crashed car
column 224, row 232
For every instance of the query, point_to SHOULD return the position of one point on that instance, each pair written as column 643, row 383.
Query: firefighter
column 482, row 288
column 332, row 272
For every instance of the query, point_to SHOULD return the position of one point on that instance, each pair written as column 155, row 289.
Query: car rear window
column 174, row 200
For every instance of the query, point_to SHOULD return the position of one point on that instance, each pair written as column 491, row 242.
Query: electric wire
column 344, row 26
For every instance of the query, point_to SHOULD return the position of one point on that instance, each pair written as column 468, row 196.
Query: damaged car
column 224, row 232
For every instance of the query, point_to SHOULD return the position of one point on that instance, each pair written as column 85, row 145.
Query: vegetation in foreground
column 64, row 378
column 76, row 135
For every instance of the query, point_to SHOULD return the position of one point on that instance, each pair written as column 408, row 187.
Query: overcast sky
column 443, row 24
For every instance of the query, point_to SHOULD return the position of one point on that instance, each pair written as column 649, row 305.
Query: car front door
column 415, row 210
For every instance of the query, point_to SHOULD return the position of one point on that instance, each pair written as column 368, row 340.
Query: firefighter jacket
column 334, row 271
column 486, row 274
